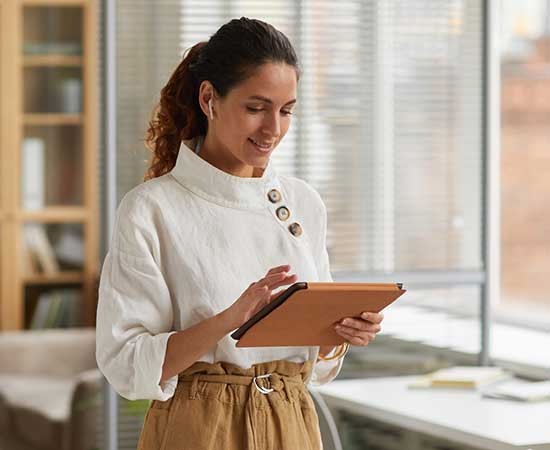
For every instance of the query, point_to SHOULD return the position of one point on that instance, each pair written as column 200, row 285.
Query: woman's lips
column 260, row 148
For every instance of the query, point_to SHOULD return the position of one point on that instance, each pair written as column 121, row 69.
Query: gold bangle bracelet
column 342, row 350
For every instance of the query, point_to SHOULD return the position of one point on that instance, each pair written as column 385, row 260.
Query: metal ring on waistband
column 260, row 388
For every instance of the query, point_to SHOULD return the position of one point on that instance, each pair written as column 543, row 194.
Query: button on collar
column 282, row 213
column 274, row 196
column 295, row 228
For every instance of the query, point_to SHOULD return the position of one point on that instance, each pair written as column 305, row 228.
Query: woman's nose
column 272, row 125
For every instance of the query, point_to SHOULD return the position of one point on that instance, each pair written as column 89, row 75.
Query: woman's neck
column 226, row 161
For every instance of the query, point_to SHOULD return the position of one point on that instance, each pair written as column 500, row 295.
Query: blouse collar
column 215, row 185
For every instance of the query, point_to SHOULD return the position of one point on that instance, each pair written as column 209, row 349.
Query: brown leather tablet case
column 304, row 314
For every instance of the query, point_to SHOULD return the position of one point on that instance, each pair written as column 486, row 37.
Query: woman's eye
column 287, row 113
column 254, row 109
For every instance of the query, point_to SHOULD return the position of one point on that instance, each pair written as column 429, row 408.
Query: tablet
column 304, row 313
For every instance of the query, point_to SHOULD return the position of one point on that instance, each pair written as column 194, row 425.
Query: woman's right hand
column 257, row 295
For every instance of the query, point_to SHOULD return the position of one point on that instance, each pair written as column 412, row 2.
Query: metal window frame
column 491, row 147
column 109, row 200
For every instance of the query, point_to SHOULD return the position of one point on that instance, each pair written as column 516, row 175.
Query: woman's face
column 252, row 119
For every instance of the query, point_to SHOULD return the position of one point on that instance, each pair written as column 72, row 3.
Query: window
column 525, row 160
column 522, row 311
column 388, row 125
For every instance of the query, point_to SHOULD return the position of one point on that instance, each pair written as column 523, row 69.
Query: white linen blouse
column 185, row 246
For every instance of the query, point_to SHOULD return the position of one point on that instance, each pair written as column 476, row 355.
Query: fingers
column 360, row 331
column 269, row 279
column 361, row 325
column 372, row 317
column 283, row 268
column 288, row 279
column 271, row 282
column 366, row 317
column 270, row 285
column 277, row 279
column 272, row 279
column 356, row 337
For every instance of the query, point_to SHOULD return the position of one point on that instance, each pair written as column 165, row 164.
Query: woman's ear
column 206, row 96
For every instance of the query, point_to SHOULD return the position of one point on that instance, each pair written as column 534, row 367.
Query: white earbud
column 210, row 109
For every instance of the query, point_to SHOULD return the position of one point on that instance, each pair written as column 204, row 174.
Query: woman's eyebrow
column 267, row 100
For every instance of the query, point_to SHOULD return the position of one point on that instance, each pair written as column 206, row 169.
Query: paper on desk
column 462, row 377
column 519, row 390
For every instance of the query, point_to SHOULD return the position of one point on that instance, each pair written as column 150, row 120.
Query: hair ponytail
column 176, row 117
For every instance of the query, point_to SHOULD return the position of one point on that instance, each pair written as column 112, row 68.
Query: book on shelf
column 54, row 309
column 71, row 308
column 58, row 308
column 69, row 248
column 40, row 248
column 71, row 95
column 40, row 312
column 461, row 377
column 521, row 390
column 52, row 47
column 32, row 189
column 29, row 263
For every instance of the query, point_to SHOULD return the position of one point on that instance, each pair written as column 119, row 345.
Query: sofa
column 50, row 390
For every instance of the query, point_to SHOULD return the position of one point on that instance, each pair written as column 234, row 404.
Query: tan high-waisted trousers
column 223, row 406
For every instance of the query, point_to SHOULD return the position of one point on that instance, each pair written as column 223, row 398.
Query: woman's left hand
column 360, row 331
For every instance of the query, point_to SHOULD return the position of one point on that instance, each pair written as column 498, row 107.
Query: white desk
column 460, row 416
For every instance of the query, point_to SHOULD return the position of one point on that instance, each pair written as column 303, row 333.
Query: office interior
column 423, row 124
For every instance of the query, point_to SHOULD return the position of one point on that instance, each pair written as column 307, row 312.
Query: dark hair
column 230, row 56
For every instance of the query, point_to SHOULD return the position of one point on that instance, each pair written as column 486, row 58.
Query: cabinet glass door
column 52, row 166
column 51, row 147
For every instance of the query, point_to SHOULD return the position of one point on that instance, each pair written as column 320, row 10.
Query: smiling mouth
column 260, row 146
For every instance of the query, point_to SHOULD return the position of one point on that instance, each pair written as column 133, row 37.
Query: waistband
column 266, row 377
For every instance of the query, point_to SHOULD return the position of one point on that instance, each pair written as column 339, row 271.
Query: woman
column 211, row 219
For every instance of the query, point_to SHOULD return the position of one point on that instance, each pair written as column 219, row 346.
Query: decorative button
column 282, row 213
column 295, row 228
column 274, row 196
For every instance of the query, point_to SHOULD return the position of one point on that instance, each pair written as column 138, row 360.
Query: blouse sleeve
column 134, row 314
column 324, row 371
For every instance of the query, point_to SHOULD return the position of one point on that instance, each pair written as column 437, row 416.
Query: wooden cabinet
column 49, row 214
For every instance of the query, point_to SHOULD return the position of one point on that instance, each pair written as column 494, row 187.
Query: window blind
column 148, row 50
column 148, row 36
column 388, row 126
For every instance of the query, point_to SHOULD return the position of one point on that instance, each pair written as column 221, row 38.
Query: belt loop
column 194, row 387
